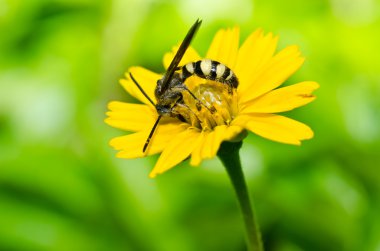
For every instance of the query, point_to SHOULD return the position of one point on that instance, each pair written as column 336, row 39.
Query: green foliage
column 61, row 187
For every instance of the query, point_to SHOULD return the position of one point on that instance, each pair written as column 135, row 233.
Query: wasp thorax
column 215, row 106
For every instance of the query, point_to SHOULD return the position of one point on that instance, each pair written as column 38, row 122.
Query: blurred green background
column 61, row 187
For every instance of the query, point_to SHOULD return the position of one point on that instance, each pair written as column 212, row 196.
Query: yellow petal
column 131, row 145
column 279, row 68
column 211, row 141
column 178, row 149
column 224, row 47
column 282, row 99
column 190, row 55
column 196, row 156
column 130, row 117
column 146, row 79
column 253, row 55
column 275, row 127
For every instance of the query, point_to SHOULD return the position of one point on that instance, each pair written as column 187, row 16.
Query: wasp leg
column 212, row 109
column 231, row 86
column 187, row 107
column 230, row 89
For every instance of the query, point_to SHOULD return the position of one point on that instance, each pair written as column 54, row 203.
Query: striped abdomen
column 210, row 69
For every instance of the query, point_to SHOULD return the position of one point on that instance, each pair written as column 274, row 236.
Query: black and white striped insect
column 212, row 70
column 170, row 87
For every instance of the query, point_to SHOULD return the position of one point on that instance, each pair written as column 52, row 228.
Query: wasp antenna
column 151, row 133
column 141, row 89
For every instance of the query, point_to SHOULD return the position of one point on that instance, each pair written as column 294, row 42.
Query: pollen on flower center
column 215, row 106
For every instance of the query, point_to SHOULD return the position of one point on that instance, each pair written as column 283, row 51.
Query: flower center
column 215, row 106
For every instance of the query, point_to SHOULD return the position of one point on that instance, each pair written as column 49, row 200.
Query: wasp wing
column 178, row 56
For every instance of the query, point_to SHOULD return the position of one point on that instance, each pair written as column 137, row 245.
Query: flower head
column 200, row 131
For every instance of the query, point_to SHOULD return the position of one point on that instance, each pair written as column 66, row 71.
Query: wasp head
column 164, row 110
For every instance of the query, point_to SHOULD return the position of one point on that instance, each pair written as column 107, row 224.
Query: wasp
column 170, row 87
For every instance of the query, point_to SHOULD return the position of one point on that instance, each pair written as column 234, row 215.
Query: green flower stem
column 229, row 155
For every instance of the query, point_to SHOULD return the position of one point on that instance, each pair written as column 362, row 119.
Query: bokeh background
column 61, row 187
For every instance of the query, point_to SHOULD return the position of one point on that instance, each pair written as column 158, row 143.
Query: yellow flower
column 252, row 106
